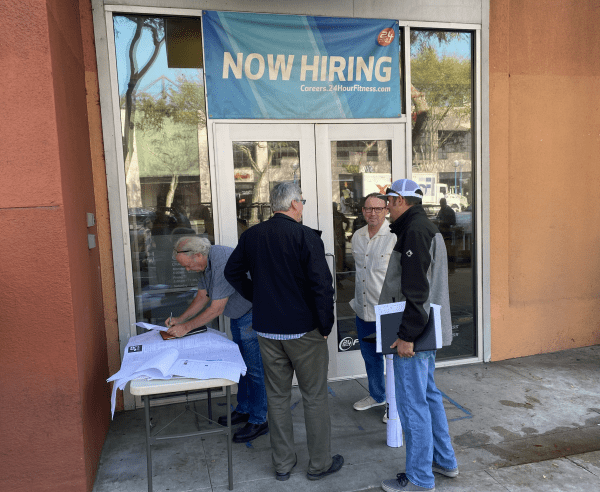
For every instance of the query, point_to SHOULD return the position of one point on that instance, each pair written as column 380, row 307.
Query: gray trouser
column 309, row 357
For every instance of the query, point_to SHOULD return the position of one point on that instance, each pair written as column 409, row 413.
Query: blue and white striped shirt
column 281, row 336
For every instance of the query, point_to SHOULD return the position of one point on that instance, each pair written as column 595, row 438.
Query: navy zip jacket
column 418, row 274
column 291, row 287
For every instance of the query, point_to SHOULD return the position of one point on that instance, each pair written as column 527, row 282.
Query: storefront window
column 259, row 166
column 442, row 162
column 358, row 168
column 165, row 154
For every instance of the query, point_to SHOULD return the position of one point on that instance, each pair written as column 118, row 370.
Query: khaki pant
column 309, row 357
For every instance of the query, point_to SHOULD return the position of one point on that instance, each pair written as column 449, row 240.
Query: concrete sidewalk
column 523, row 424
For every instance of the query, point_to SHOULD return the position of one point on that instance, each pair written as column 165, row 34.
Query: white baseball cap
column 404, row 187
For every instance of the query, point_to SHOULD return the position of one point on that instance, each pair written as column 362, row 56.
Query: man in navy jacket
column 418, row 274
column 290, row 287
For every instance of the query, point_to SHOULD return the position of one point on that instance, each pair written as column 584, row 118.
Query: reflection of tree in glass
column 167, row 129
column 440, row 94
column 422, row 40
column 266, row 160
column 135, row 70
column 358, row 162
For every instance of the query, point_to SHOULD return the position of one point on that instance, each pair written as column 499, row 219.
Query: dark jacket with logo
column 291, row 287
column 418, row 274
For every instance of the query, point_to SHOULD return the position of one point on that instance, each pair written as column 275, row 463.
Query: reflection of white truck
column 433, row 191
column 372, row 183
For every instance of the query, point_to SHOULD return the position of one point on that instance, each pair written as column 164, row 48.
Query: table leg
column 148, row 446
column 229, row 444
column 209, row 406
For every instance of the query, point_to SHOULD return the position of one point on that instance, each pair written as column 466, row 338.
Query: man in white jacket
column 371, row 249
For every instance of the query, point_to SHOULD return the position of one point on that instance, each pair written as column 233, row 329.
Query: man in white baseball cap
column 404, row 187
column 418, row 274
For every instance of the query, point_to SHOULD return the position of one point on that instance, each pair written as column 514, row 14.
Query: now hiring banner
column 262, row 66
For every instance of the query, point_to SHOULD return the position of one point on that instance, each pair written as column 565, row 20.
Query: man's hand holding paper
column 405, row 349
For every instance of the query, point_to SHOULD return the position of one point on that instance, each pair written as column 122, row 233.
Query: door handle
column 334, row 279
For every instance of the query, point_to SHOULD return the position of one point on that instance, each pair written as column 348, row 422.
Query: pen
column 171, row 319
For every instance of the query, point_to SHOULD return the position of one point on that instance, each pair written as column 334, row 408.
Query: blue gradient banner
column 288, row 67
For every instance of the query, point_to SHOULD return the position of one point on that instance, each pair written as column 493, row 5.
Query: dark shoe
column 282, row 477
column 401, row 484
column 250, row 432
column 336, row 465
column 236, row 418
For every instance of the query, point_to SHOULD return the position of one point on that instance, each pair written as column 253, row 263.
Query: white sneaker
column 367, row 403
column 385, row 418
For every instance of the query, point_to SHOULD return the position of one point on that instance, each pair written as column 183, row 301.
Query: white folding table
column 153, row 387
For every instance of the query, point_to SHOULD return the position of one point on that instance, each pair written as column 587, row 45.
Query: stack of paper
column 388, row 320
column 202, row 356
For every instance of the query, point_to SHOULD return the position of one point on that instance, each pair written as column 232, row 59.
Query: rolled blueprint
column 394, row 428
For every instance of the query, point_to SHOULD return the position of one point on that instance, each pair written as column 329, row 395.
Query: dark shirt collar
column 287, row 217
column 398, row 226
column 279, row 215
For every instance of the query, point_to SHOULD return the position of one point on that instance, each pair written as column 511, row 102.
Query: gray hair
column 192, row 245
column 283, row 194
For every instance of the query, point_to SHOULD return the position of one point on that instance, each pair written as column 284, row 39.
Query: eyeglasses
column 378, row 210
column 175, row 252
column 303, row 202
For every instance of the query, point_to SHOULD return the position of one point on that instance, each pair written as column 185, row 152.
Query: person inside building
column 347, row 199
column 291, row 289
column 418, row 274
column 167, row 225
column 197, row 255
column 203, row 215
column 371, row 249
column 360, row 220
column 446, row 218
column 341, row 223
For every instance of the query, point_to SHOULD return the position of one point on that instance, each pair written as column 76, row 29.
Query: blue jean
column 423, row 418
column 252, row 396
column 373, row 360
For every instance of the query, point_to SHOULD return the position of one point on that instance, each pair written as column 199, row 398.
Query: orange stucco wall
column 100, row 192
column 53, row 362
column 544, row 176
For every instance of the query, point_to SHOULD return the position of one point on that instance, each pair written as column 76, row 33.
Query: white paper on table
column 209, row 346
column 200, row 369
column 118, row 384
column 148, row 356
column 113, row 399
column 149, row 326
column 137, row 352
column 161, row 362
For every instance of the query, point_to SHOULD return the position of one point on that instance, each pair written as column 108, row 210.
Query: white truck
column 434, row 191
column 375, row 182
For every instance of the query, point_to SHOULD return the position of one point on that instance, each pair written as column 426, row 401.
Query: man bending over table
column 196, row 254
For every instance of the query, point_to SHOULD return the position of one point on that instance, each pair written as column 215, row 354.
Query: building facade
column 129, row 124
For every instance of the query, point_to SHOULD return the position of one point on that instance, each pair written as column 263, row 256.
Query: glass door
column 336, row 166
column 251, row 160
column 353, row 160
